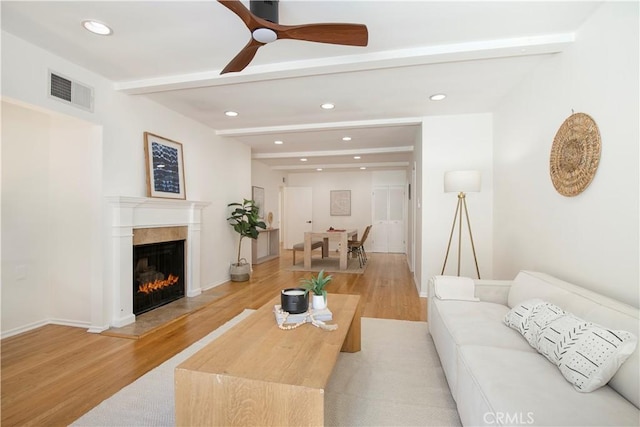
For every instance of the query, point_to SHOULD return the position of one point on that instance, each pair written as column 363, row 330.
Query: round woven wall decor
column 575, row 154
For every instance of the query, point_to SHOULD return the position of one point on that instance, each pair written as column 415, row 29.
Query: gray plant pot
column 240, row 272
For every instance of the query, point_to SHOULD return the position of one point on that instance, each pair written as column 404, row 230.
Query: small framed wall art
column 165, row 167
column 340, row 203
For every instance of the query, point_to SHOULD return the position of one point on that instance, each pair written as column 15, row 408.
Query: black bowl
column 294, row 300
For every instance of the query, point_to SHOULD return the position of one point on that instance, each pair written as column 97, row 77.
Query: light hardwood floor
column 54, row 374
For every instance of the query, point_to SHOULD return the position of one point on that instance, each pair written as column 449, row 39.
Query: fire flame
column 147, row 288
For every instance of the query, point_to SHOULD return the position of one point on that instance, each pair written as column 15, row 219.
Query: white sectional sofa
column 497, row 378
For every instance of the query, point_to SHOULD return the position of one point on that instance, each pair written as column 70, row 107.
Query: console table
column 257, row 374
column 272, row 238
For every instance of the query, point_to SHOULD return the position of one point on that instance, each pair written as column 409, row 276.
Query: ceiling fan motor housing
column 265, row 9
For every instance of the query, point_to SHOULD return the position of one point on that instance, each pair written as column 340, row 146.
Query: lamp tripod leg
column 453, row 227
column 473, row 248
column 461, row 199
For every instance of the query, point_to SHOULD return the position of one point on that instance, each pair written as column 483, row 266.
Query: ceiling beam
column 425, row 55
column 314, row 127
column 350, row 152
column 386, row 165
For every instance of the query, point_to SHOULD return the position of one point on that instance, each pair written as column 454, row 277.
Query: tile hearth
column 161, row 316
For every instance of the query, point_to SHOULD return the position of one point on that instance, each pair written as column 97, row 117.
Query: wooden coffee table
column 257, row 374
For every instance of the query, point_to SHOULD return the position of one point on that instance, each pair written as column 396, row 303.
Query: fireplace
column 158, row 275
column 141, row 221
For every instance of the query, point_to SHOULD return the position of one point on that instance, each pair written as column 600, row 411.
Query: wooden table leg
column 344, row 250
column 307, row 251
column 325, row 247
column 352, row 342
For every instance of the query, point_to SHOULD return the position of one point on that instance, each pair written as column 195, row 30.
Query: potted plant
column 245, row 221
column 316, row 285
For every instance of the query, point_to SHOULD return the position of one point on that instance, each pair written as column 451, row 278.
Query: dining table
column 342, row 236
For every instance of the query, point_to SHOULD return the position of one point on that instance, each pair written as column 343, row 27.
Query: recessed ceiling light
column 230, row 113
column 278, row 142
column 319, row 169
column 97, row 27
column 346, row 138
column 303, row 159
column 438, row 97
column 327, row 106
column 362, row 168
column 357, row 157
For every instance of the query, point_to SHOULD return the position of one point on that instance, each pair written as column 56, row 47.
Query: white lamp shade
column 462, row 181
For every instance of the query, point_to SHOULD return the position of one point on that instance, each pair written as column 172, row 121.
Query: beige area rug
column 329, row 264
column 396, row 380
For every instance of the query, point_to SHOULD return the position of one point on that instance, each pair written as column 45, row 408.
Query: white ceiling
column 173, row 51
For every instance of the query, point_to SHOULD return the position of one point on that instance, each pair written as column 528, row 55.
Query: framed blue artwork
column 165, row 167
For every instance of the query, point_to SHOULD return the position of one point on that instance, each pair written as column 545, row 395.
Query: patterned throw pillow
column 587, row 355
column 541, row 316
column 556, row 333
column 519, row 316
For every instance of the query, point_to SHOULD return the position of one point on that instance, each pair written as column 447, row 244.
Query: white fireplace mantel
column 129, row 213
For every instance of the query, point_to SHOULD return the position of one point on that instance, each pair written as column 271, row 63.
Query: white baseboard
column 41, row 323
column 97, row 329
column 24, row 328
column 74, row 323
column 213, row 285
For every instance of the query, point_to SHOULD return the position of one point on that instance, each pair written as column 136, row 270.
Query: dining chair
column 357, row 247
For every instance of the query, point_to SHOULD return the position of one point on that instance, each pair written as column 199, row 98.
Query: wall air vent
column 70, row 92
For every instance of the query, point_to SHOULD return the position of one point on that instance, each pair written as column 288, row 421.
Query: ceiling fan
column 262, row 21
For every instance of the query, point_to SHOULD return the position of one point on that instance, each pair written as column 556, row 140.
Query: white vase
column 318, row 302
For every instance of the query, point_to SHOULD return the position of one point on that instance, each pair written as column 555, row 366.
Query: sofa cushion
column 479, row 323
column 452, row 323
column 502, row 386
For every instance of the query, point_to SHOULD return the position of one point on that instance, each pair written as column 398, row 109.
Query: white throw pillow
column 588, row 355
column 519, row 316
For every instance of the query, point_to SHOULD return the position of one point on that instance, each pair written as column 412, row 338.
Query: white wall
column 460, row 142
column 590, row 239
column 24, row 228
column 209, row 162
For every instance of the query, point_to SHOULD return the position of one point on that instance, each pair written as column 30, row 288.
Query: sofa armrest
column 496, row 291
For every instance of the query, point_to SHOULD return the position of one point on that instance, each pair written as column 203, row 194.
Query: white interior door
column 298, row 214
column 388, row 232
column 395, row 227
column 378, row 234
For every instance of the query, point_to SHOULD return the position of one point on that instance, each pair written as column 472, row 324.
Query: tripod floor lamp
column 461, row 182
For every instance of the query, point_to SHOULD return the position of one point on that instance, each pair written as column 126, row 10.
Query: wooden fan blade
column 236, row 6
column 243, row 58
column 346, row 34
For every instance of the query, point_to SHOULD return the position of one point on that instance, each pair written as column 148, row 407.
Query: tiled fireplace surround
column 161, row 219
